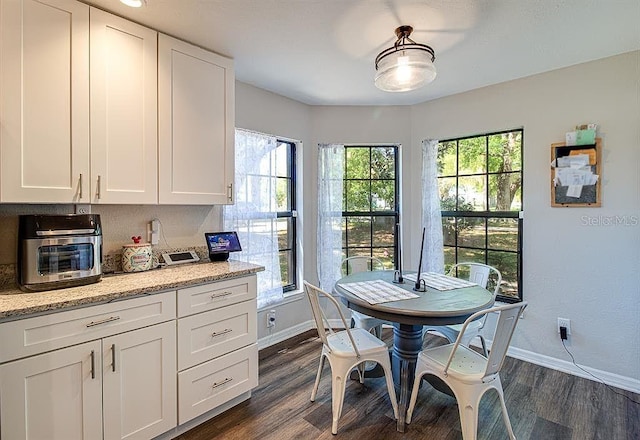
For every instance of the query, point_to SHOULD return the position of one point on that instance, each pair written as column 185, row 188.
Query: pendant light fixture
column 405, row 66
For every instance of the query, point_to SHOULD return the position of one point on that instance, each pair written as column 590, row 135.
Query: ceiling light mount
column 406, row 65
column 134, row 3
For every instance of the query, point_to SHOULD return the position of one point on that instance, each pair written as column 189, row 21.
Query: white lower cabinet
column 57, row 395
column 116, row 383
column 129, row 369
column 139, row 382
column 217, row 349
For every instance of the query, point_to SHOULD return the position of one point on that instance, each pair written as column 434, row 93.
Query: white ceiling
column 322, row 52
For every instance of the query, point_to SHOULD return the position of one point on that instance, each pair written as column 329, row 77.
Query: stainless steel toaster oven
column 56, row 251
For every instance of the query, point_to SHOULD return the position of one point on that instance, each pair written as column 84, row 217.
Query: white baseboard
column 283, row 335
column 612, row 379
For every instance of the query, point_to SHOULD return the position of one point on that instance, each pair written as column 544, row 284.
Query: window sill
column 289, row 297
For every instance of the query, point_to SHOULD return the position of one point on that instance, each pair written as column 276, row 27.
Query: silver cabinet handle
column 217, row 384
column 220, row 295
column 230, row 192
column 80, row 195
column 93, row 364
column 113, row 357
column 103, row 321
column 98, row 189
column 223, row 332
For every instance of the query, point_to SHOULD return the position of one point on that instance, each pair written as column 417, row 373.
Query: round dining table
column 431, row 307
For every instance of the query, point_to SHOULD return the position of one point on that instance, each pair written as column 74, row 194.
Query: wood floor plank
column 543, row 404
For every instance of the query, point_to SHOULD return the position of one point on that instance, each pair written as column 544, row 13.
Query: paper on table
column 440, row 281
column 378, row 291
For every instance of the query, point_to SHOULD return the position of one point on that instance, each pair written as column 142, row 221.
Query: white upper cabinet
column 95, row 109
column 124, row 139
column 44, row 101
column 196, row 119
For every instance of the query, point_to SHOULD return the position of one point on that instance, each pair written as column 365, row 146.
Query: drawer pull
column 113, row 357
column 217, row 384
column 103, row 321
column 223, row 332
column 221, row 295
column 93, row 364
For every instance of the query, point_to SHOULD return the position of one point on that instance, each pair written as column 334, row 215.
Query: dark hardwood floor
column 543, row 404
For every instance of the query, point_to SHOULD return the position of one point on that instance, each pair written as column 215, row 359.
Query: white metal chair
column 480, row 274
column 346, row 350
column 362, row 263
column 468, row 373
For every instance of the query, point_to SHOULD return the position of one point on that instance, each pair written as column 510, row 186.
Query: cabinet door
column 124, row 158
column 56, row 395
column 44, row 104
column 140, row 382
column 196, row 124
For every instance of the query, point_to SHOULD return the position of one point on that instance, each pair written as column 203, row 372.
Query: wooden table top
column 432, row 307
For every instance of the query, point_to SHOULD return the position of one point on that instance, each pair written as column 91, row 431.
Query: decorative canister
column 136, row 257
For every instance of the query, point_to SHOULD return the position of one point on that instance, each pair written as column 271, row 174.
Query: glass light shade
column 133, row 3
column 404, row 70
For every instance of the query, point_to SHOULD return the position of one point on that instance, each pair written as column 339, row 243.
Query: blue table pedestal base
column 407, row 343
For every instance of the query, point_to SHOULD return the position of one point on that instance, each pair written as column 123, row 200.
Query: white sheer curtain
column 330, row 175
column 253, row 215
column 433, row 254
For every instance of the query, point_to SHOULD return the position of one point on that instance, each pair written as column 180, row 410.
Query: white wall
column 589, row 274
column 266, row 112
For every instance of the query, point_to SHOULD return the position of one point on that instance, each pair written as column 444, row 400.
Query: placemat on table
column 378, row 291
column 440, row 281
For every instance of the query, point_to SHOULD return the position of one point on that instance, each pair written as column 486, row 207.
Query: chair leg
column 388, row 375
column 315, row 386
column 361, row 368
column 468, row 420
column 484, row 346
column 414, row 394
column 505, row 414
column 468, row 398
column 337, row 398
column 377, row 331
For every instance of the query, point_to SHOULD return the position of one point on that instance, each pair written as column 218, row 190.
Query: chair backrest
column 361, row 263
column 478, row 273
column 506, row 325
column 322, row 323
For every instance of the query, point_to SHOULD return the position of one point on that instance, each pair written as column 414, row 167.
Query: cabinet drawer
column 214, row 333
column 209, row 385
column 215, row 295
column 48, row 332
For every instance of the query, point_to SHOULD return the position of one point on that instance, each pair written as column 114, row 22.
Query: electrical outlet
column 154, row 231
column 564, row 322
column 271, row 318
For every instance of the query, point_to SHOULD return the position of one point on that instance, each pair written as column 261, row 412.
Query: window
column 480, row 184
column 370, row 202
column 285, row 174
column 264, row 212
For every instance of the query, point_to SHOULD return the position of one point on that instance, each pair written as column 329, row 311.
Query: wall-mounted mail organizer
column 576, row 175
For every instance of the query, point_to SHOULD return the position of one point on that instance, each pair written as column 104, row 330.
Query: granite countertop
column 17, row 304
